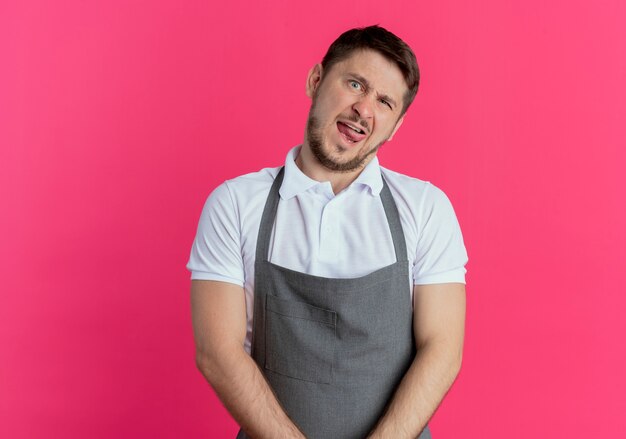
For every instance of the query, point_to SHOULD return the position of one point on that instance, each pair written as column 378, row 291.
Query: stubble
column 314, row 138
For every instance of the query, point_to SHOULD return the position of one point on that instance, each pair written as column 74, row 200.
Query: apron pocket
column 300, row 340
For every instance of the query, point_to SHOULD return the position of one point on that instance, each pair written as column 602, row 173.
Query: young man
column 328, row 295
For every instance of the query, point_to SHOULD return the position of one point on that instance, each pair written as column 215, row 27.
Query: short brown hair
column 384, row 42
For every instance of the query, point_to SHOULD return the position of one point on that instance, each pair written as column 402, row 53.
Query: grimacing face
column 356, row 107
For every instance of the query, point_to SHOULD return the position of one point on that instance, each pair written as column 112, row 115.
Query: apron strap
column 395, row 226
column 267, row 220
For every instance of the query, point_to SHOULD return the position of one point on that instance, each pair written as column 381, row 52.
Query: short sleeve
column 216, row 250
column 441, row 255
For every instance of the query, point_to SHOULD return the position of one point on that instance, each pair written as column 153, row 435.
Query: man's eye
column 384, row 102
column 355, row 85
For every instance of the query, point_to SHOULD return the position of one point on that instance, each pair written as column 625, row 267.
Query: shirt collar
column 296, row 182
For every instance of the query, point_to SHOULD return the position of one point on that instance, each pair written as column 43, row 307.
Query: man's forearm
column 420, row 392
column 243, row 390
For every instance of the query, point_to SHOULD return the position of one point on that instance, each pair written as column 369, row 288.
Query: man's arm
column 219, row 323
column 438, row 324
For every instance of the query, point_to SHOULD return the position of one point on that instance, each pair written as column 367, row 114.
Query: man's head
column 359, row 93
column 385, row 43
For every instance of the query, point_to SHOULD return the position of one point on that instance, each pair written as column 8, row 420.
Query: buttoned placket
column 330, row 216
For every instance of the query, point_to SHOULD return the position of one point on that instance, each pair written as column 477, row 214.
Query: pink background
column 117, row 119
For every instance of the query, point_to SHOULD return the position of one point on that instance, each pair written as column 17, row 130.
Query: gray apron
column 332, row 350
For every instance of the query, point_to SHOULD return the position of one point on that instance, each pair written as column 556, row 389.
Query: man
column 328, row 295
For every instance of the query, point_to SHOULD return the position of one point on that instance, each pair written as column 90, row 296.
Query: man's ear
column 313, row 80
column 398, row 124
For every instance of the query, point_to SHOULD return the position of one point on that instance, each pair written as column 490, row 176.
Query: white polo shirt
column 318, row 232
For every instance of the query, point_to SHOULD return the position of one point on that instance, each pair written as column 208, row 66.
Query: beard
column 314, row 138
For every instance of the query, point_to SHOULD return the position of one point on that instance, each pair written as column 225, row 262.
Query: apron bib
column 332, row 350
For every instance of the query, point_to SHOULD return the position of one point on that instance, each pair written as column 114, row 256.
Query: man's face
column 356, row 107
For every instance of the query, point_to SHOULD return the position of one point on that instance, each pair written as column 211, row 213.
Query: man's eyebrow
column 367, row 85
column 388, row 99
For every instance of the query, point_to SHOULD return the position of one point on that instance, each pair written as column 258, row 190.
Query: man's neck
column 312, row 168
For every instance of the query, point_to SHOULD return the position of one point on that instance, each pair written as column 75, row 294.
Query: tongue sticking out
column 348, row 132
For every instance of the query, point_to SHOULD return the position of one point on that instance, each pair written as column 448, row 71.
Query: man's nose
column 363, row 107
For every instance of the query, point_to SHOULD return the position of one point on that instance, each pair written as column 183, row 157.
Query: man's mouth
column 351, row 133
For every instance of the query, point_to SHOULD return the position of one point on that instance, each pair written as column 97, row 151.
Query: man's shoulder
column 244, row 191
column 253, row 181
column 412, row 190
column 403, row 183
